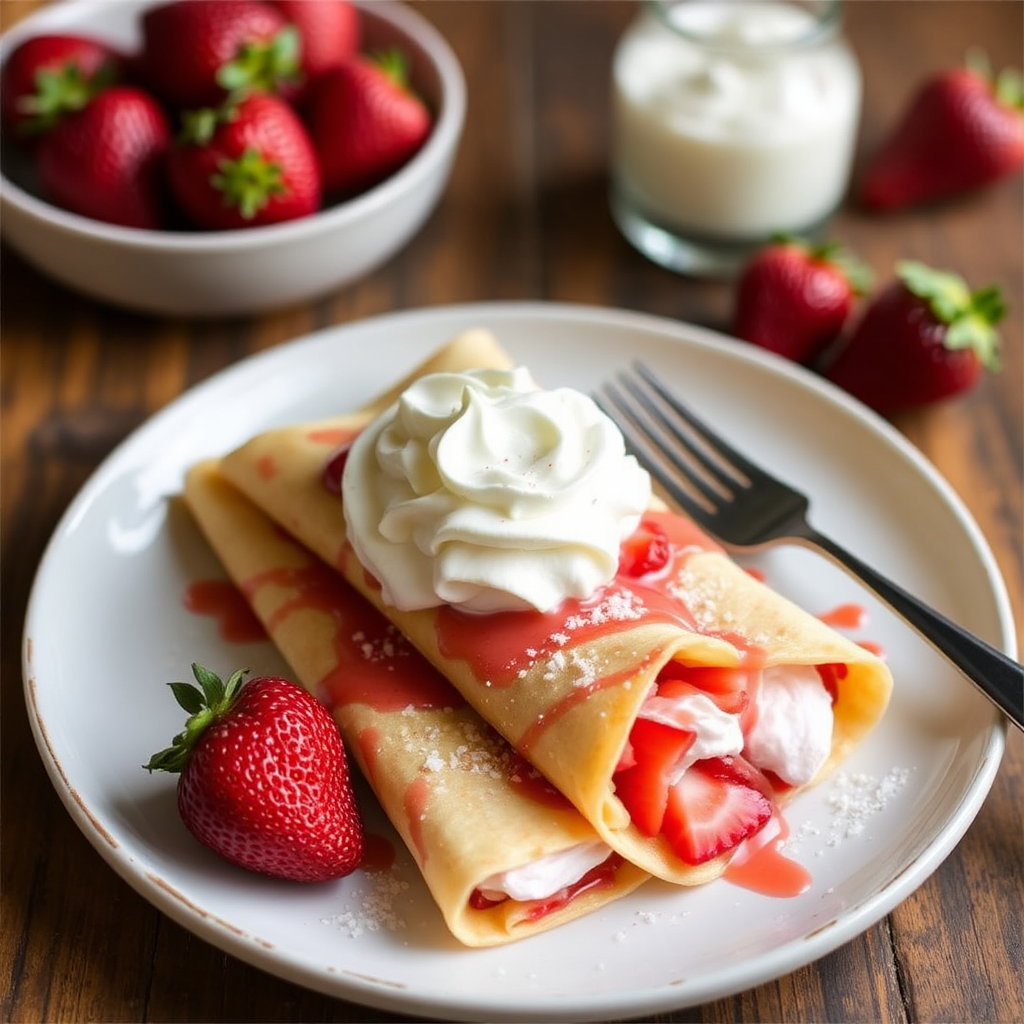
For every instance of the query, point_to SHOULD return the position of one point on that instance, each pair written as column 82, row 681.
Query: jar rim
column 827, row 20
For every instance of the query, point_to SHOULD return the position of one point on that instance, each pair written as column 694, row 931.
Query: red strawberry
column 49, row 76
column 713, row 808
column 329, row 34
column 264, row 780
column 106, row 160
column 657, row 750
column 245, row 165
column 729, row 688
column 365, row 121
column 646, row 550
column 793, row 298
column 197, row 52
column 960, row 131
column 924, row 338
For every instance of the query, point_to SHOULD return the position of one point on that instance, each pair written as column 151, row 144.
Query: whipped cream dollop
column 792, row 735
column 547, row 875
column 479, row 490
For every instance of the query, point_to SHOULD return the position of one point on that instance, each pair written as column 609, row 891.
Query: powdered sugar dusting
column 382, row 648
column 856, row 798
column 462, row 745
column 373, row 909
column 706, row 598
column 615, row 606
column 853, row 799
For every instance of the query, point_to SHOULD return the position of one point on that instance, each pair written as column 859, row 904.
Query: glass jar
column 732, row 121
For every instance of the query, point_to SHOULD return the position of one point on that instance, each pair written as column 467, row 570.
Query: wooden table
column 525, row 217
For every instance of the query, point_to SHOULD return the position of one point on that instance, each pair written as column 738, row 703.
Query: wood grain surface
column 525, row 217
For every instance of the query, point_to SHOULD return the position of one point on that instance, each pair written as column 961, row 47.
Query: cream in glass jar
column 732, row 120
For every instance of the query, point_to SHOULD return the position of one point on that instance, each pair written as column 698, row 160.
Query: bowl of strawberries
column 222, row 157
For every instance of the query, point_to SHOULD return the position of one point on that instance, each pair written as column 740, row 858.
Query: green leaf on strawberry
column 263, row 66
column 249, row 182
column 1007, row 86
column 970, row 316
column 204, row 704
column 60, row 91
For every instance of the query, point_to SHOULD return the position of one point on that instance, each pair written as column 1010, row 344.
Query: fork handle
column 998, row 676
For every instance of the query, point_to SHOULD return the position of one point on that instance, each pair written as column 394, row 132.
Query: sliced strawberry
column 729, row 688
column 830, row 676
column 643, row 789
column 645, row 551
column 710, row 811
column 627, row 758
column 334, row 468
column 738, row 771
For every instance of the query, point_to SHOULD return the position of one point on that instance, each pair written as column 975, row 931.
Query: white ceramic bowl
column 220, row 273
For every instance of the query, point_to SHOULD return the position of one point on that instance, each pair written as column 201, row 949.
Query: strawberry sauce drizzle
column 761, row 866
column 417, row 801
column 333, row 436
column 513, row 642
column 266, row 467
column 374, row 663
column 223, row 601
column 846, row 616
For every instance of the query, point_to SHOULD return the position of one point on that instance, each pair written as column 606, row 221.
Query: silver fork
column 743, row 506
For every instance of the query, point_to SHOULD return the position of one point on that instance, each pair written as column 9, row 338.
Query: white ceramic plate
column 106, row 629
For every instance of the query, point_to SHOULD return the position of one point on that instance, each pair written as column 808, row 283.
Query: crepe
column 565, row 689
column 464, row 803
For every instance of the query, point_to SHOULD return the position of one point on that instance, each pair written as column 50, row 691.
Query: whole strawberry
column 923, row 338
column 195, row 53
column 244, row 165
column 264, row 779
column 962, row 130
column 48, row 76
column 105, row 161
column 793, row 298
column 365, row 121
column 329, row 34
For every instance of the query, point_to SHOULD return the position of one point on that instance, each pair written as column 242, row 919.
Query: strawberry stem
column 199, row 126
column 857, row 273
column 970, row 317
column 393, row 63
column 263, row 66
column 59, row 92
column 205, row 704
column 1007, row 86
column 249, row 182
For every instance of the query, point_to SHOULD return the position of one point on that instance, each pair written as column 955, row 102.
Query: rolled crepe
column 467, row 806
column 566, row 688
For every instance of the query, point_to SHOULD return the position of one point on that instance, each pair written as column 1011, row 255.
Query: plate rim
column 248, row 948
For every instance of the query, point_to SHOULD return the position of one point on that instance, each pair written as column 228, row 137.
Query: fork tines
column 696, row 468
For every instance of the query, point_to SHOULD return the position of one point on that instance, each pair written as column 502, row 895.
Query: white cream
column 792, row 734
column 732, row 128
column 477, row 489
column 716, row 733
column 547, row 875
